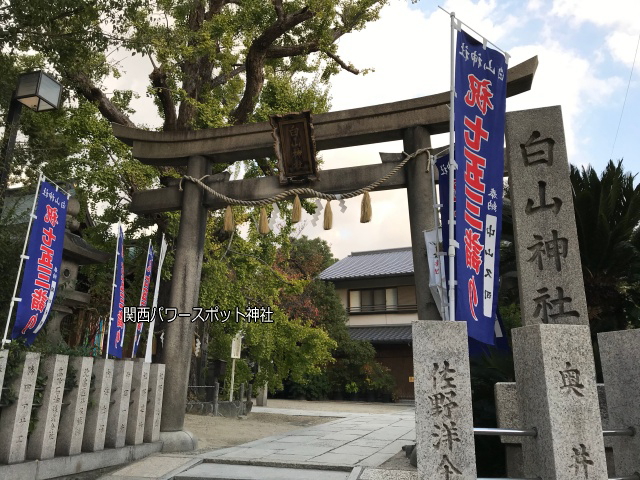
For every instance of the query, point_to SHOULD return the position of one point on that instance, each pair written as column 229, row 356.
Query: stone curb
column 297, row 465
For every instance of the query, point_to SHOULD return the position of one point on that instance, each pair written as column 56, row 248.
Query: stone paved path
column 328, row 451
column 358, row 439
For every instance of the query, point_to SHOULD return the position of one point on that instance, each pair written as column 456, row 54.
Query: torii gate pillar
column 421, row 217
column 185, row 288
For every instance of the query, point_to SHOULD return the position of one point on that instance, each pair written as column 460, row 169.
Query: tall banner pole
column 144, row 294
column 22, row 259
column 480, row 86
column 113, row 291
column 163, row 252
column 42, row 261
column 452, row 167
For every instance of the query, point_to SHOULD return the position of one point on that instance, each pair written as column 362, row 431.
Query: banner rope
column 303, row 190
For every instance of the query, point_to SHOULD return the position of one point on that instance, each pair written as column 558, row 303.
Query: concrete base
column 179, row 441
column 75, row 464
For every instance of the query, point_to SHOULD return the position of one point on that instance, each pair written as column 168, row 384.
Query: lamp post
column 38, row 91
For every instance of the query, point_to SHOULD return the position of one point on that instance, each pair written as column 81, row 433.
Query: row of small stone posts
column 77, row 404
column 554, row 404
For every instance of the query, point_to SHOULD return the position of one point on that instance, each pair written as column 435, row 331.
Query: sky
column 585, row 51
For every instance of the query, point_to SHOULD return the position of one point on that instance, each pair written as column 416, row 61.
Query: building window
column 373, row 300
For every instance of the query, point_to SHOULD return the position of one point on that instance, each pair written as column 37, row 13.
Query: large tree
column 211, row 63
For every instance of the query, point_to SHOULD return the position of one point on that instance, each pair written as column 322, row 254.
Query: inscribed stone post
column 3, row 367
column 138, row 404
column 556, row 383
column 74, row 413
column 444, row 422
column 547, row 254
column 154, row 403
column 119, row 407
column 620, row 356
column 95, row 427
column 14, row 421
column 509, row 416
column 42, row 440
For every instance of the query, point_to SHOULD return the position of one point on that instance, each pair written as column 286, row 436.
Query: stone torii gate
column 412, row 121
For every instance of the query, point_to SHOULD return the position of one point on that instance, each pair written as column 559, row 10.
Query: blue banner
column 42, row 268
column 116, row 322
column 143, row 297
column 480, row 87
column 500, row 339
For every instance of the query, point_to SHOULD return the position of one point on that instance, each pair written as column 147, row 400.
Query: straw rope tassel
column 296, row 214
column 229, row 224
column 365, row 208
column 328, row 216
column 263, row 226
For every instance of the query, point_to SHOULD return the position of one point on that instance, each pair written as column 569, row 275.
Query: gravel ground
column 220, row 432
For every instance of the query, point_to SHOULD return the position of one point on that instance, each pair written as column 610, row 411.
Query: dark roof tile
column 382, row 333
column 376, row 263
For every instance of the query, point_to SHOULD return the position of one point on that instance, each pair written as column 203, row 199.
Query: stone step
column 249, row 472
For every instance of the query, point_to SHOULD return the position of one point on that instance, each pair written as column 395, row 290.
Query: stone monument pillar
column 444, row 420
column 14, row 421
column 95, row 427
column 119, row 405
column 42, row 441
column 555, row 374
column 74, row 412
column 557, row 393
column 138, row 407
column 620, row 356
column 154, row 407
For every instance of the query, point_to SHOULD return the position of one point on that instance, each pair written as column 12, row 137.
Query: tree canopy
column 211, row 63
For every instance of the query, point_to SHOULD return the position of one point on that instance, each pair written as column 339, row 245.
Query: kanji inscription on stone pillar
column 547, row 253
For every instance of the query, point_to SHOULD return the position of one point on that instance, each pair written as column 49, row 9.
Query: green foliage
column 11, row 245
column 313, row 387
column 607, row 216
column 318, row 302
column 351, row 387
column 211, row 64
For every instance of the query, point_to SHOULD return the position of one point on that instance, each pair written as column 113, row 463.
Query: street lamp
column 38, row 91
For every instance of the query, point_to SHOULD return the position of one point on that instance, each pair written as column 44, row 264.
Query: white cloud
column 135, row 70
column 623, row 46
column 622, row 14
column 535, row 5
column 566, row 79
column 408, row 52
